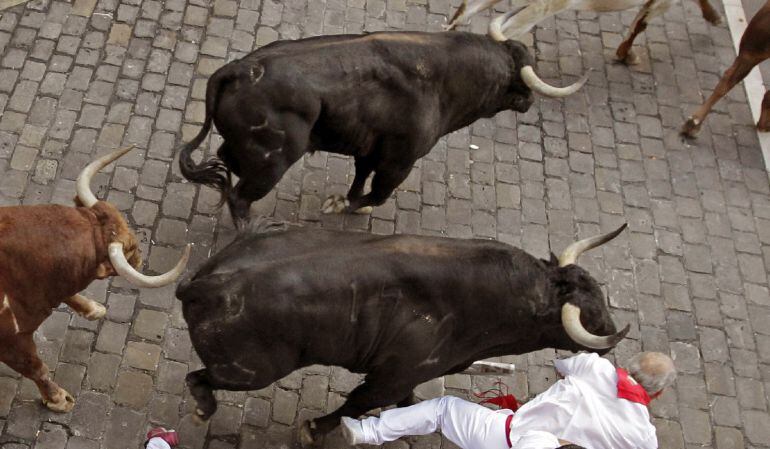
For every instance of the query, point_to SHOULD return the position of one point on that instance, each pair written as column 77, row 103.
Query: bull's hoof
column 629, row 58
column 763, row 125
column 306, row 434
column 97, row 312
column 61, row 402
column 691, row 127
column 712, row 17
column 199, row 418
column 335, row 204
column 366, row 210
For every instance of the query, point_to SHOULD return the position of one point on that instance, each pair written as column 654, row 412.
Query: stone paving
column 690, row 274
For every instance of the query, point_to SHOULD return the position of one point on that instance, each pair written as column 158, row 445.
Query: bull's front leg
column 88, row 309
column 202, row 392
column 20, row 353
column 338, row 203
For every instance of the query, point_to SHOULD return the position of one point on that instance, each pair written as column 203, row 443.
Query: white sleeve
column 577, row 365
column 536, row 439
column 157, row 443
column 651, row 442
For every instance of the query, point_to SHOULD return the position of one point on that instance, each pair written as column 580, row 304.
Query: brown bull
column 49, row 253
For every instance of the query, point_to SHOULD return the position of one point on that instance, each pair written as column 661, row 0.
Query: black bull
column 402, row 309
column 384, row 98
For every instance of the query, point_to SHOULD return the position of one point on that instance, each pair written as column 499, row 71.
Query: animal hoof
column 199, row 418
column 62, row 402
column 366, row 210
column 97, row 312
column 691, row 127
column 712, row 17
column 631, row 58
column 335, row 204
column 306, row 435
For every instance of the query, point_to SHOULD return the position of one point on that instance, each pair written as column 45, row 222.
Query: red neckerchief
column 630, row 390
column 499, row 396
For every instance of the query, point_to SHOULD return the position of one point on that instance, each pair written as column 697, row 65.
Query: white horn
column 496, row 26
column 534, row 82
column 572, row 252
column 83, row 187
column 570, row 319
column 125, row 269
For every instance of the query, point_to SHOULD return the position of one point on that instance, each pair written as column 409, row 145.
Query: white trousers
column 157, row 443
column 464, row 423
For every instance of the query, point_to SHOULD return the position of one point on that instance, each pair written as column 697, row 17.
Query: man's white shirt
column 584, row 408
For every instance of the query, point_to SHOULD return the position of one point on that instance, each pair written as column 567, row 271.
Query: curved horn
column 572, row 252
column 534, row 82
column 570, row 319
column 496, row 26
column 83, row 187
column 125, row 269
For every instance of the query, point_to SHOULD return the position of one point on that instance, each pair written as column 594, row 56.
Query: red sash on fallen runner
column 630, row 390
column 508, row 430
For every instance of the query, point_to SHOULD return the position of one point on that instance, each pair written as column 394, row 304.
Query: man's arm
column 576, row 365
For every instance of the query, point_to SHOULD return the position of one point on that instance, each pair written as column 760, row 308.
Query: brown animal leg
column 709, row 13
column 90, row 310
column 740, row 68
column 624, row 52
column 20, row 353
column 764, row 119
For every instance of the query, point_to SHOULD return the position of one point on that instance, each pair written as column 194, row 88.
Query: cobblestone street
column 690, row 274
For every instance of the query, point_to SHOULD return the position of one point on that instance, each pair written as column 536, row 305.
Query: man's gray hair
column 653, row 370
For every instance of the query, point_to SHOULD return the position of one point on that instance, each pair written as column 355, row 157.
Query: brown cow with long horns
column 49, row 253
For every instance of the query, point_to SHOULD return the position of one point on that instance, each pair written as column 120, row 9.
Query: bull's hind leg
column 202, row 392
column 764, row 119
column 20, row 353
column 624, row 52
column 88, row 309
column 740, row 68
column 265, row 160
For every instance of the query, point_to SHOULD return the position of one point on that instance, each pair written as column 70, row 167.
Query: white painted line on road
column 754, row 85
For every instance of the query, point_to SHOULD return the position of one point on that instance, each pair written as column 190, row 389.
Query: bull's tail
column 213, row 172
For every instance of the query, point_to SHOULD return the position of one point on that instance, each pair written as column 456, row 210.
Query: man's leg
column 464, row 423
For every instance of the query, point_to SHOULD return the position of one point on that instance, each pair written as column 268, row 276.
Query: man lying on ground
column 596, row 406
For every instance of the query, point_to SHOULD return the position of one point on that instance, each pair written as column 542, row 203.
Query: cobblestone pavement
column 690, row 274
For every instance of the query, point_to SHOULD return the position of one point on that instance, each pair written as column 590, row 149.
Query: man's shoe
column 352, row 431
column 169, row 436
